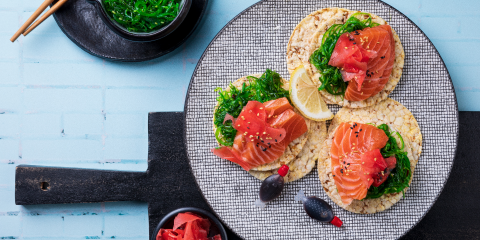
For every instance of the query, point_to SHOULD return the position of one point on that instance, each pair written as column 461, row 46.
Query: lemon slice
column 306, row 97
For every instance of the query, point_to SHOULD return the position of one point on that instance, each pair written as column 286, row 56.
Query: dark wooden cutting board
column 168, row 183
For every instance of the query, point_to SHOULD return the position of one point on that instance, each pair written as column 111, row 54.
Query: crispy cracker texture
column 398, row 118
column 292, row 150
column 305, row 161
column 307, row 37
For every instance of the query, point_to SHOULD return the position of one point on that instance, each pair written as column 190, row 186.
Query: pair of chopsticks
column 40, row 20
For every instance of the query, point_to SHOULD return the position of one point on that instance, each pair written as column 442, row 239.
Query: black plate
column 80, row 22
column 215, row 228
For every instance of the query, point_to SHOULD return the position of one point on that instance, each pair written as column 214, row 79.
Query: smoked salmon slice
column 379, row 39
column 356, row 159
column 252, row 149
column 275, row 107
column 293, row 124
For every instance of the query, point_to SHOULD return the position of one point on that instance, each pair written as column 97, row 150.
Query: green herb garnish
column 142, row 15
column 400, row 176
column 263, row 89
column 330, row 76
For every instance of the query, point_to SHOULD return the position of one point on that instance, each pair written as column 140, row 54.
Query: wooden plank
column 169, row 184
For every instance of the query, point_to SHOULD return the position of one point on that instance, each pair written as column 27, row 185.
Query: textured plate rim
column 171, row 49
column 187, row 97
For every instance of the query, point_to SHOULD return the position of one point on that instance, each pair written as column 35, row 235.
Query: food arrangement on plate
column 367, row 157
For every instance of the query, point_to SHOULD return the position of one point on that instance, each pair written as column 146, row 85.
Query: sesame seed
column 264, row 132
column 248, row 128
column 248, row 122
column 347, row 174
column 363, row 162
column 362, row 92
column 245, row 133
column 346, row 47
column 258, row 114
column 252, row 140
column 354, row 143
column 258, row 133
column 261, row 108
column 368, row 179
column 353, row 147
column 375, row 159
column 239, row 125
column 243, row 118
column 251, row 136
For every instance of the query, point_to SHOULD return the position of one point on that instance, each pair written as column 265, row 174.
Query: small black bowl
column 141, row 37
column 215, row 228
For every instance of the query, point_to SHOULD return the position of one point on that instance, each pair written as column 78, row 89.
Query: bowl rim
column 141, row 37
column 173, row 213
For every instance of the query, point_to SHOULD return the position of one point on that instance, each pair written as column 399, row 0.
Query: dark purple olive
column 318, row 209
column 271, row 188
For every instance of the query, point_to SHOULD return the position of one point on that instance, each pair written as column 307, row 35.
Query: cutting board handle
column 47, row 185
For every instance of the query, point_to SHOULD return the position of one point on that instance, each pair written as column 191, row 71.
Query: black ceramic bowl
column 142, row 37
column 215, row 228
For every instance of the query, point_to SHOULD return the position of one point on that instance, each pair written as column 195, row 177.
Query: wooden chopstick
column 31, row 19
column 45, row 16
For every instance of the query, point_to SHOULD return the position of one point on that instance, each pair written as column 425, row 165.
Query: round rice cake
column 299, row 43
column 399, row 119
column 301, row 47
column 305, row 161
column 293, row 149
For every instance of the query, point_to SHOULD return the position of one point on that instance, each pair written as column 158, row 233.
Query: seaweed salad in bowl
column 142, row 20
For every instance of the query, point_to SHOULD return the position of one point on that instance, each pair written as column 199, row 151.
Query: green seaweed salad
column 265, row 88
column 400, row 176
column 142, row 15
column 330, row 76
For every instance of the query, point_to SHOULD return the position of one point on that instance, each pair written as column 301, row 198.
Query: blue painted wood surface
column 63, row 107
